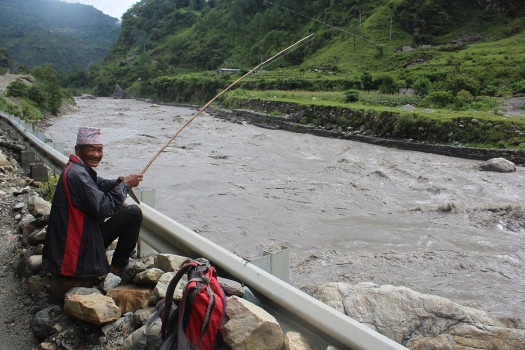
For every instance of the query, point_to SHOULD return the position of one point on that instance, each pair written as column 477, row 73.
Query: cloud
column 115, row 8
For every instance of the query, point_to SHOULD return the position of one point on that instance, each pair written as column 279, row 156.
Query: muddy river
column 347, row 211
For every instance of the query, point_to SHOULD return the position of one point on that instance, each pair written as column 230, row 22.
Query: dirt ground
column 17, row 307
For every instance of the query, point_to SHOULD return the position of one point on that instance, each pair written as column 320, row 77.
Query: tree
column 387, row 84
column 367, row 81
column 49, row 88
column 490, row 90
column 422, row 86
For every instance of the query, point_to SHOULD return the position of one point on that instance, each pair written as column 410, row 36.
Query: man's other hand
column 133, row 180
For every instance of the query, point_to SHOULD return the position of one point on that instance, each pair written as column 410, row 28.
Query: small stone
column 48, row 346
column 19, row 206
column 231, row 287
column 110, row 282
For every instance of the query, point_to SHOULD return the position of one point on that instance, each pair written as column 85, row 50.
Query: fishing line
column 217, row 96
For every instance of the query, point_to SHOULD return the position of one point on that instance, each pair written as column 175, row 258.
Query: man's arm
column 88, row 197
column 132, row 180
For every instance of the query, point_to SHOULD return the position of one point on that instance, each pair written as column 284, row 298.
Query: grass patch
column 446, row 126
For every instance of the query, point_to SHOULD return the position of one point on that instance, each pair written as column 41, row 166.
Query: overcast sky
column 114, row 8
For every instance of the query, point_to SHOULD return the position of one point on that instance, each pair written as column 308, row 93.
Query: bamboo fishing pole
column 213, row 99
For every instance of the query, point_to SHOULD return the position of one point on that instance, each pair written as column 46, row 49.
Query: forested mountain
column 38, row 31
column 161, row 39
column 237, row 33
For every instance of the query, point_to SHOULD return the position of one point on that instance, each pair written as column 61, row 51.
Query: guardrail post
column 148, row 197
column 39, row 173
column 27, row 158
column 277, row 263
column 59, row 147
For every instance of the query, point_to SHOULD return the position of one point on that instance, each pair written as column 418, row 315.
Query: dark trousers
column 124, row 225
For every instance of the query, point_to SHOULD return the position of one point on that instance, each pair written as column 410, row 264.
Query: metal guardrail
column 168, row 236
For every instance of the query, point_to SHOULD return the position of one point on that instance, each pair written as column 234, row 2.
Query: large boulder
column 169, row 262
column 37, row 237
column 149, row 277
column 159, row 292
column 119, row 93
column 130, row 297
column 38, row 206
column 89, row 305
column 296, row 341
column 3, row 160
column 87, row 97
column 420, row 321
column 249, row 327
column 499, row 165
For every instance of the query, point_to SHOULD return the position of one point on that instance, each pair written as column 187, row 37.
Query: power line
column 323, row 23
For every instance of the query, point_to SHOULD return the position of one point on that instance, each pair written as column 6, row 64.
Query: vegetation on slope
column 38, row 95
column 5, row 60
column 50, row 31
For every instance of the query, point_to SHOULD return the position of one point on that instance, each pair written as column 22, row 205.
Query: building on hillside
column 221, row 71
column 406, row 91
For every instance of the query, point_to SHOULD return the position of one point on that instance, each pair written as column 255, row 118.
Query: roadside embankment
column 428, row 321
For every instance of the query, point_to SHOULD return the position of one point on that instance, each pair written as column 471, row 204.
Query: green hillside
column 36, row 32
column 469, row 45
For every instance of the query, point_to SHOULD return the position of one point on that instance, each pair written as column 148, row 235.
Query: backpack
column 193, row 324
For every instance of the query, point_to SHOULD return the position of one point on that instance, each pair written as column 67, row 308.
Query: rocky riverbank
column 39, row 319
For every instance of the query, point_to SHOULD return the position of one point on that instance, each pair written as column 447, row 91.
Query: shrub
column 458, row 82
column 380, row 51
column 438, row 99
column 354, row 82
column 352, row 95
column 47, row 189
column 17, row 89
column 463, row 100
column 367, row 81
column 405, row 126
column 30, row 110
column 387, row 84
column 518, row 87
column 490, row 90
column 465, row 96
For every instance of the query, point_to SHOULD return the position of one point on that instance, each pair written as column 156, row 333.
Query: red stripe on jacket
column 74, row 234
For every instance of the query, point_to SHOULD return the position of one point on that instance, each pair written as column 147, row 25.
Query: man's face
column 91, row 155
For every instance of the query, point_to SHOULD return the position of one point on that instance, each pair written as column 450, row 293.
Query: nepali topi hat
column 89, row 136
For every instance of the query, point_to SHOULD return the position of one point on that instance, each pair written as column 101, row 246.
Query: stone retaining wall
column 293, row 111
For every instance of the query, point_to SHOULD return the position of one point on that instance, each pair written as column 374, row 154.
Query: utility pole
column 390, row 27
column 359, row 18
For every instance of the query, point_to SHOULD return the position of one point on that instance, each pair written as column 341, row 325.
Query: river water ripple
column 347, row 211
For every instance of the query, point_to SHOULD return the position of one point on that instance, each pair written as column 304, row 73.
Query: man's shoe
column 122, row 270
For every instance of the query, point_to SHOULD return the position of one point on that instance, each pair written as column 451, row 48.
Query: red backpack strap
column 168, row 300
column 206, row 322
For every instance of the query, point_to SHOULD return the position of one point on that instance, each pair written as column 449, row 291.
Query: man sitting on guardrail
column 87, row 215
